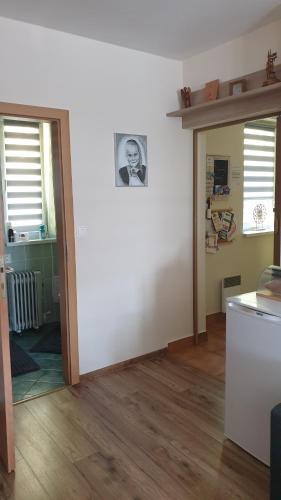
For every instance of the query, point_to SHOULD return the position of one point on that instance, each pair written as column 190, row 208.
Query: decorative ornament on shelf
column 259, row 215
column 186, row 97
column 211, row 90
column 270, row 72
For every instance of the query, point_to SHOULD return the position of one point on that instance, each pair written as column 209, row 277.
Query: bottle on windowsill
column 11, row 233
column 43, row 231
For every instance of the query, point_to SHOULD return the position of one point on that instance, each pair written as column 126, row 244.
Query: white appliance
column 253, row 371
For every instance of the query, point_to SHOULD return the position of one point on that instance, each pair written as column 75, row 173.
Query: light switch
column 82, row 232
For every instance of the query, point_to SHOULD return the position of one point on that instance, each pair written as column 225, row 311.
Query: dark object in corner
column 270, row 73
column 50, row 340
column 186, row 96
column 21, row 362
column 275, row 453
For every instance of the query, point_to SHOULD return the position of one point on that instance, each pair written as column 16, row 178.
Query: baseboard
column 174, row 346
column 117, row 367
column 178, row 345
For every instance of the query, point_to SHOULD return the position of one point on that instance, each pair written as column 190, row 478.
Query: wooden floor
column 151, row 432
column 208, row 356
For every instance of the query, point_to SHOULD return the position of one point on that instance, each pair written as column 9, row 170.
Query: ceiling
column 171, row 28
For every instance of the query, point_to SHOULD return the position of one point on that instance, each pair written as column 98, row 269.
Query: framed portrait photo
column 237, row 87
column 130, row 152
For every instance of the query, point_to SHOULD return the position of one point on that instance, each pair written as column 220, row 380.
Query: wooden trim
column 179, row 345
column 277, row 208
column 117, row 367
column 7, row 447
column 66, row 247
column 195, row 237
column 238, row 121
column 36, row 112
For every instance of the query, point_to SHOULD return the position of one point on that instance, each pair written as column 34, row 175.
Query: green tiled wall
column 38, row 258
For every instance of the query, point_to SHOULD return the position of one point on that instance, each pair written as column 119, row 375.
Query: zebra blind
column 23, row 174
column 259, row 170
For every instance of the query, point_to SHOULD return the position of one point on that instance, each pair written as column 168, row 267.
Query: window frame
column 254, row 231
column 23, row 228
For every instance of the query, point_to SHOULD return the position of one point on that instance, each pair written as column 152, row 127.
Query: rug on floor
column 50, row 340
column 21, row 362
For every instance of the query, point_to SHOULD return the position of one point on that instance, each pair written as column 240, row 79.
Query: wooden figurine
column 212, row 90
column 186, row 96
column 270, row 73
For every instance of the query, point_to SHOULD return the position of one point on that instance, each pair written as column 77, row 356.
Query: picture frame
column 211, row 90
column 217, row 176
column 130, row 154
column 237, row 87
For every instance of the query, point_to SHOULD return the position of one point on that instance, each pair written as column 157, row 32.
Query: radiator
column 229, row 287
column 24, row 300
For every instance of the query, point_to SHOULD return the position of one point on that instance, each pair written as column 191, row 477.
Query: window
column 258, row 184
column 27, row 174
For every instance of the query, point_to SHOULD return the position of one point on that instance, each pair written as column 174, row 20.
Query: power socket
column 8, row 258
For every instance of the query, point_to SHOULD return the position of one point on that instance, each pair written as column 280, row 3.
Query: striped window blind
column 259, row 168
column 23, row 174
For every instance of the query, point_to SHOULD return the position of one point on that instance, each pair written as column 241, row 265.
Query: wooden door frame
column 221, row 123
column 59, row 120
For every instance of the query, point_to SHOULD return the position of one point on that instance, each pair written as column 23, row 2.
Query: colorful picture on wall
column 130, row 160
column 217, row 173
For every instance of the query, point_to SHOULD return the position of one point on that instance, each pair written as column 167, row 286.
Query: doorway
column 31, row 257
column 239, row 216
column 199, row 269
column 58, row 254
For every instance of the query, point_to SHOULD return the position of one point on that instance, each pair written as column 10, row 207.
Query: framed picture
column 130, row 160
column 217, row 176
column 237, row 87
column 211, row 90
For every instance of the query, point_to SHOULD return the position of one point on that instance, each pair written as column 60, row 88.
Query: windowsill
column 30, row 242
column 249, row 234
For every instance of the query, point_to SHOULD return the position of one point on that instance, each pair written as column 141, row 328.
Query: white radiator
column 230, row 287
column 24, row 300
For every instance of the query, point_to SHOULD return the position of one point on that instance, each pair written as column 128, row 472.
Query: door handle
column 276, row 224
column 3, row 290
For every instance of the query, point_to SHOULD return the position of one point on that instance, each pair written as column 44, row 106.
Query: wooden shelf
column 224, row 242
column 262, row 100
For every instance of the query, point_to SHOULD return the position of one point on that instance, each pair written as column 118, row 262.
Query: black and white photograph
column 130, row 160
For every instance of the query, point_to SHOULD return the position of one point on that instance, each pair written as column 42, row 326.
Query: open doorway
column 31, row 257
column 65, row 245
column 238, row 192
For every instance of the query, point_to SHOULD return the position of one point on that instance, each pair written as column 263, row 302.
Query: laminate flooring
column 153, row 431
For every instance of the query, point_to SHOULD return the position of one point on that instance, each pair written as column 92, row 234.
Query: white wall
column 134, row 268
column 239, row 57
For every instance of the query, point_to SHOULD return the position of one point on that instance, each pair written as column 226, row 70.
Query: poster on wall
column 217, row 172
column 130, row 160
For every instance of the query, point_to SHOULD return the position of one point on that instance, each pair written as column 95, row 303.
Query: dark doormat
column 50, row 339
column 21, row 362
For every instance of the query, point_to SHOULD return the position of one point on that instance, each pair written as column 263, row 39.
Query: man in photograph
column 133, row 174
